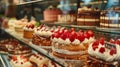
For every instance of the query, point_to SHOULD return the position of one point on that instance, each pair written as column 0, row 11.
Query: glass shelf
column 29, row 2
column 27, row 42
column 94, row 28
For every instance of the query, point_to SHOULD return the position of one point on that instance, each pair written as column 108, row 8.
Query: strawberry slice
column 80, row 36
column 90, row 32
column 95, row 45
column 86, row 34
column 61, row 32
column 112, row 51
column 73, row 36
column 102, row 40
column 112, row 41
column 117, row 41
column 55, row 35
column 102, row 50
column 65, row 35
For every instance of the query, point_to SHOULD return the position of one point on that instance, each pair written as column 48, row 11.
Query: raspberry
column 102, row 50
column 112, row 51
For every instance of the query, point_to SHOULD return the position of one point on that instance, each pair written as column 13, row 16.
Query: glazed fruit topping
column 72, row 36
column 65, row 34
column 80, row 36
column 55, row 35
column 102, row 50
column 112, row 51
column 95, row 45
column 86, row 35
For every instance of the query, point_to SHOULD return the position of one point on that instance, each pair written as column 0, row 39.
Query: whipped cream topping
column 66, row 41
column 20, row 62
column 105, row 55
column 29, row 29
column 43, row 32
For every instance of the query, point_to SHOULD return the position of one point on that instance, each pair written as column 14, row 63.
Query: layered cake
column 68, row 44
column 8, row 44
column 88, row 16
column 11, row 23
column 104, row 54
column 69, row 17
column 20, row 61
column 110, row 19
column 42, row 36
column 28, row 30
column 19, row 24
column 51, row 14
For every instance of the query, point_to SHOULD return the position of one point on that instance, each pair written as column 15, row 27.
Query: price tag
column 109, row 45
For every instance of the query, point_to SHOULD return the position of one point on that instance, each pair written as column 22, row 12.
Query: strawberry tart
column 20, row 61
column 69, row 44
column 28, row 30
column 104, row 53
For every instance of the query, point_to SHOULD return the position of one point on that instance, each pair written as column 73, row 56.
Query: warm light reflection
column 113, row 16
column 86, row 1
column 65, row 6
column 112, row 3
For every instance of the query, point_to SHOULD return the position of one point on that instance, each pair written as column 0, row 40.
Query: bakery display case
column 84, row 43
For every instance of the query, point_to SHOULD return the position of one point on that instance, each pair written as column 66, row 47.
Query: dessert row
column 70, row 44
column 23, row 56
column 86, row 16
